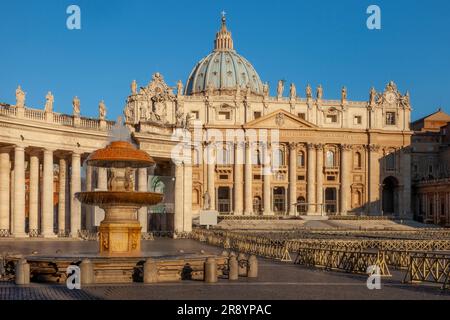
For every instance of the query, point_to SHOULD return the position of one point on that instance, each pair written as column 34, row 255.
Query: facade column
column 211, row 175
column 179, row 198
column 238, row 179
column 34, row 196
column 62, row 197
column 89, row 209
column 75, row 186
column 143, row 187
column 187, row 212
column 4, row 192
column 374, row 180
column 319, row 179
column 267, row 175
column 345, row 178
column 311, row 168
column 248, row 180
column 19, row 192
column 47, row 195
column 292, row 179
column 406, row 173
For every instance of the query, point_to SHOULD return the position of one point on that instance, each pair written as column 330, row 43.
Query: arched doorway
column 390, row 196
column 301, row 208
column 279, row 200
column 257, row 206
column 223, row 197
column 330, row 201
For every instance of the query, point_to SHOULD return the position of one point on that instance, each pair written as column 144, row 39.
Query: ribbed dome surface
column 223, row 69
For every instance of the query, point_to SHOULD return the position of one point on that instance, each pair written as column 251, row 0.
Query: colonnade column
column 345, row 178
column 211, row 176
column 238, row 178
column 143, row 187
column 319, row 179
column 311, row 168
column 248, row 203
column 374, row 180
column 179, row 203
column 34, row 195
column 406, row 173
column 47, row 195
column 19, row 192
column 4, row 191
column 292, row 179
column 62, row 197
column 89, row 209
column 75, row 186
column 187, row 212
column 267, row 174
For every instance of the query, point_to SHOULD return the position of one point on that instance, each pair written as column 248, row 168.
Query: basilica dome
column 223, row 69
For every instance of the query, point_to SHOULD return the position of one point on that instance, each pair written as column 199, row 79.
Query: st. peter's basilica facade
column 333, row 157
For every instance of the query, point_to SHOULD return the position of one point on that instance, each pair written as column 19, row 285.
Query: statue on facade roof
column 293, row 91
column 179, row 88
column 308, row 91
column 280, row 88
column 134, row 87
column 344, row 94
column 20, row 97
column 76, row 106
column 319, row 92
column 266, row 89
column 102, row 110
column 372, row 97
column 49, row 99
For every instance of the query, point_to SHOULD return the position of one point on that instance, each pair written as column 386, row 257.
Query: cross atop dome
column 223, row 40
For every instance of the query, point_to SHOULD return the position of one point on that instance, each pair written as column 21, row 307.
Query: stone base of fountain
column 120, row 239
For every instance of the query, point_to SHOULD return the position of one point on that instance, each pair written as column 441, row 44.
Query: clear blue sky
column 303, row 42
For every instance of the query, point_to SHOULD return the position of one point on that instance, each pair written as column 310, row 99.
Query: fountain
column 120, row 231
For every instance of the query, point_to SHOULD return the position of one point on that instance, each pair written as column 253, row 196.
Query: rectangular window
column 301, row 115
column 331, row 118
column 224, row 115
column 357, row 120
column 223, row 177
column 256, row 114
column 390, row 118
column 257, row 177
column 331, row 178
column 301, row 178
column 195, row 115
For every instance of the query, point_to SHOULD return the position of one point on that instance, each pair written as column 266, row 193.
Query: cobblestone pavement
column 276, row 280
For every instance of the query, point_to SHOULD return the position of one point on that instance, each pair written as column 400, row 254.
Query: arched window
column 301, row 159
column 301, row 207
column 390, row 162
column 330, row 159
column 358, row 160
column 278, row 158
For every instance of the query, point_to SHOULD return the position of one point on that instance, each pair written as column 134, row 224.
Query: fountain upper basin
column 121, row 198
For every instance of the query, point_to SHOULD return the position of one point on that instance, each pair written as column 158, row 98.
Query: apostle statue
column 134, row 87
column 20, row 97
column 266, row 89
column 308, row 92
column 102, row 110
column 344, row 94
column 76, row 106
column 293, row 92
column 280, row 88
column 206, row 201
column 49, row 99
column 372, row 97
column 319, row 92
column 179, row 88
